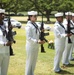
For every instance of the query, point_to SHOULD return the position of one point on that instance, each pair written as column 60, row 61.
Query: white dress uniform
column 32, row 47
column 65, row 58
column 72, row 47
column 4, row 54
column 60, row 38
column 4, row 51
column 59, row 43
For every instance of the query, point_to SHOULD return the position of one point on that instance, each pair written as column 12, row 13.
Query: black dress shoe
column 12, row 54
column 59, row 71
column 43, row 52
column 72, row 59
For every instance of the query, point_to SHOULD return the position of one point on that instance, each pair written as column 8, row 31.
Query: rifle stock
column 69, row 31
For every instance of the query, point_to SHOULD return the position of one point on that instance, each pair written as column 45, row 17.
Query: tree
column 25, row 5
column 9, row 5
column 44, row 7
column 65, row 5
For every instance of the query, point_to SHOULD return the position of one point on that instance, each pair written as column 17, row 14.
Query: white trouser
column 4, row 62
column 70, row 55
column 32, row 55
column 59, row 48
column 65, row 58
column 57, row 60
column 71, row 51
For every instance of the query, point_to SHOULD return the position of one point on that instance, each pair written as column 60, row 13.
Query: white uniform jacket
column 3, row 41
column 31, row 36
column 72, row 25
column 65, row 25
column 60, row 35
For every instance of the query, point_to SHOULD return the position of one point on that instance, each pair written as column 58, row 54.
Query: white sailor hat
column 59, row 14
column 32, row 13
column 72, row 14
column 68, row 13
column 2, row 11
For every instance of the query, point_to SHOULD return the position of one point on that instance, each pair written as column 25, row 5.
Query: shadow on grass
column 23, row 21
column 42, row 74
column 63, row 72
column 38, row 21
column 70, row 65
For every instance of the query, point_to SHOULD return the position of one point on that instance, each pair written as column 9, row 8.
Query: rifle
column 69, row 30
column 42, row 34
column 10, row 34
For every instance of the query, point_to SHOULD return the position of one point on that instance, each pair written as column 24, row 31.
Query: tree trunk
column 15, row 12
column 48, row 16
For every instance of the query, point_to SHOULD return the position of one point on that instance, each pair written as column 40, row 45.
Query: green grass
column 44, row 64
column 23, row 19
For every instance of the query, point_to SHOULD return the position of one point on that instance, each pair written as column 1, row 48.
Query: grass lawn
column 44, row 64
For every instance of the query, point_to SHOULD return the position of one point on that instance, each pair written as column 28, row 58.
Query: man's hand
column 8, row 43
column 42, row 30
column 69, row 34
column 41, row 42
column 10, row 27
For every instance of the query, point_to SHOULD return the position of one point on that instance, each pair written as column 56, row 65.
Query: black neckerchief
column 36, row 26
column 3, row 29
column 61, row 25
column 65, row 29
column 72, row 25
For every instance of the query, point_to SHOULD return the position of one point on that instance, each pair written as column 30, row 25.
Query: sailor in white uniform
column 60, row 37
column 72, row 48
column 4, row 46
column 65, row 59
column 32, row 42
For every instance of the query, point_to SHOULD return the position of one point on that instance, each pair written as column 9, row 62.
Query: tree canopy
column 44, row 7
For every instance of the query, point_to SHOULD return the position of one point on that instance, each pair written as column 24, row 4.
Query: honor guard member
column 68, row 15
column 65, row 59
column 11, row 49
column 59, row 42
column 71, row 51
column 32, row 42
column 4, row 46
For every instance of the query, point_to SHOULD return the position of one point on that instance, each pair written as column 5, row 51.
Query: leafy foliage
column 44, row 7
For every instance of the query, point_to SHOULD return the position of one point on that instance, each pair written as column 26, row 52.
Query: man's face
column 2, row 15
column 33, row 18
column 60, row 19
column 73, row 18
column 68, row 17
